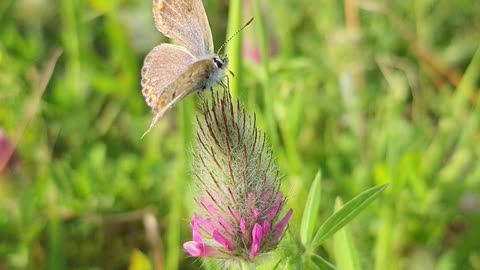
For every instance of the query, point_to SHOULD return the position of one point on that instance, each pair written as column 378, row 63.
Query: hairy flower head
column 240, row 205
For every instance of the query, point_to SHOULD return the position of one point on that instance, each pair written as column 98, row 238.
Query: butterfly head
column 220, row 61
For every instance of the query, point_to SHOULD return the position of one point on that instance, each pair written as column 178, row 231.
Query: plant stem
column 234, row 49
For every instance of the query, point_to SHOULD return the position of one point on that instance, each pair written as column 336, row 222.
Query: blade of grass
column 350, row 210
column 150, row 225
column 346, row 255
column 384, row 242
column 56, row 254
column 70, row 40
column 466, row 90
column 172, row 256
column 467, row 85
column 322, row 263
column 291, row 128
column 234, row 48
column 465, row 125
column 310, row 213
column 268, row 98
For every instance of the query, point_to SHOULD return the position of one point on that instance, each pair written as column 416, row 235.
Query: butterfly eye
column 218, row 62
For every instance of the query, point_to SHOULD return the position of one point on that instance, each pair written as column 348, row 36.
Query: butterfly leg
column 225, row 86
column 211, row 91
column 228, row 82
column 199, row 93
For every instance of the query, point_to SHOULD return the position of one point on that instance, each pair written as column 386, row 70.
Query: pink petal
column 211, row 209
column 196, row 249
column 266, row 196
column 208, row 206
column 243, row 229
column 273, row 211
column 196, row 235
column 257, row 236
column 255, row 213
column 266, row 227
column 280, row 227
column 217, row 197
column 206, row 224
column 225, row 225
column 219, row 238
column 236, row 215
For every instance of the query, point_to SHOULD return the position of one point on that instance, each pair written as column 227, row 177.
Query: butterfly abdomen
column 200, row 75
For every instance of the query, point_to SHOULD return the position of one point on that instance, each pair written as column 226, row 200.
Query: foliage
column 370, row 92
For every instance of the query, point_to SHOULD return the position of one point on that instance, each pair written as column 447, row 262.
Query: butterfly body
column 172, row 71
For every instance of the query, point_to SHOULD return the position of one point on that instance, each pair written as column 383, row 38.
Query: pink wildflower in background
column 251, row 49
column 240, row 204
column 8, row 157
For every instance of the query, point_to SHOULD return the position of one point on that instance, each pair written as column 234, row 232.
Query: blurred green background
column 369, row 92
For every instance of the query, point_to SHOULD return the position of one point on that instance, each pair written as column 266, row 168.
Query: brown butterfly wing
column 162, row 66
column 186, row 23
column 192, row 79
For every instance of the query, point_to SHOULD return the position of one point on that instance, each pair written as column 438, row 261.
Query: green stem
column 185, row 120
column 268, row 98
column 234, row 49
column 71, row 46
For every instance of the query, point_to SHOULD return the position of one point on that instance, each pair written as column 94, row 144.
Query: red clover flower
column 240, row 203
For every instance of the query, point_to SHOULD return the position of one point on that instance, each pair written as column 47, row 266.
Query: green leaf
column 322, row 263
column 310, row 213
column 468, row 85
column 233, row 48
column 346, row 255
column 350, row 210
column 384, row 246
column 56, row 242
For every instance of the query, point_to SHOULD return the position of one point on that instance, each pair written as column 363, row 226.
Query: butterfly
column 172, row 71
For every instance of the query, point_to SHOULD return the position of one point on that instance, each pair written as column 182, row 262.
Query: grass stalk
column 234, row 48
column 176, row 212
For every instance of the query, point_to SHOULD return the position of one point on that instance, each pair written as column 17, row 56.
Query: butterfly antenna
column 238, row 31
